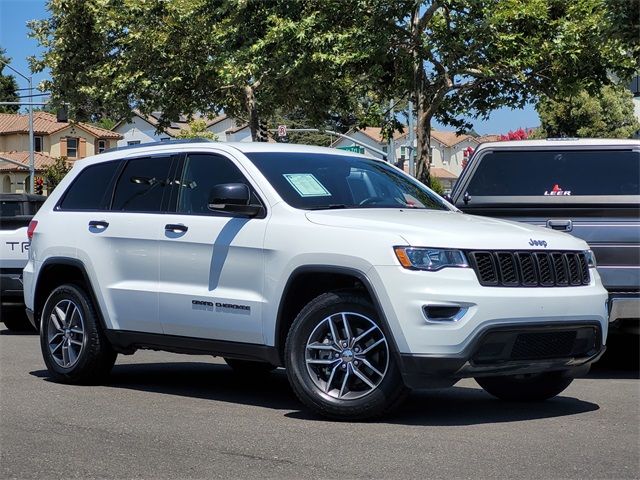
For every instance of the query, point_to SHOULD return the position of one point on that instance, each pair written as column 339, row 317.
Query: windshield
column 316, row 181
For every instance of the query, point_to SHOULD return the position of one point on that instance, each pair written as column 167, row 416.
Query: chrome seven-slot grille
column 530, row 269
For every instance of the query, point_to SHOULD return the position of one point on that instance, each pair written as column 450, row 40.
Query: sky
column 14, row 15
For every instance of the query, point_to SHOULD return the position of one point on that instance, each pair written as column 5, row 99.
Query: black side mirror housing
column 232, row 198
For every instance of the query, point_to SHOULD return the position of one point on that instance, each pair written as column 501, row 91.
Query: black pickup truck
column 589, row 188
column 16, row 211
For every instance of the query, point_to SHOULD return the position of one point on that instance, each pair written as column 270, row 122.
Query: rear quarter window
column 557, row 173
column 91, row 190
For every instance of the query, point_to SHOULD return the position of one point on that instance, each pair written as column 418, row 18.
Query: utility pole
column 391, row 154
column 32, row 169
column 411, row 140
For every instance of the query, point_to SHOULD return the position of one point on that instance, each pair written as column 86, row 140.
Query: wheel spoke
column 372, row 346
column 72, row 354
column 75, row 342
column 72, row 316
column 318, row 361
column 65, row 354
column 61, row 315
column 57, row 347
column 319, row 346
column 368, row 364
column 363, row 377
column 327, row 386
column 362, row 335
column 344, row 381
column 347, row 330
column 55, row 321
column 335, row 336
column 77, row 331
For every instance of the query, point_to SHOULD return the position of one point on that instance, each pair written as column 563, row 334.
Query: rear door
column 593, row 194
column 116, row 210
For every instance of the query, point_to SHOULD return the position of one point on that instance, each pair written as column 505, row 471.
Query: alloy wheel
column 347, row 355
column 65, row 333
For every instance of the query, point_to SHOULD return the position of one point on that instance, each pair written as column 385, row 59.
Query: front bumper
column 510, row 350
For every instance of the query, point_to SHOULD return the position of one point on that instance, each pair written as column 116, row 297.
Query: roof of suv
column 244, row 147
column 563, row 143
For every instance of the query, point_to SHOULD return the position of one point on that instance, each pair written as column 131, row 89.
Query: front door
column 211, row 264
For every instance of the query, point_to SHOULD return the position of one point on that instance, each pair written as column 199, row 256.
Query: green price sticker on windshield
column 306, row 184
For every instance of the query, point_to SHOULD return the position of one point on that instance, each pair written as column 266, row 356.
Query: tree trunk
column 423, row 147
column 252, row 111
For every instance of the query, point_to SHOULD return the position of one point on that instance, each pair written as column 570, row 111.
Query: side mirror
column 232, row 198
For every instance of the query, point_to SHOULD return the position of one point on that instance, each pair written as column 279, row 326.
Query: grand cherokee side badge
column 537, row 243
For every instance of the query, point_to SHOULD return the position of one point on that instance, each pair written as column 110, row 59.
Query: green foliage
column 436, row 186
column 197, row 129
column 106, row 122
column 8, row 86
column 55, row 173
column 607, row 114
column 328, row 58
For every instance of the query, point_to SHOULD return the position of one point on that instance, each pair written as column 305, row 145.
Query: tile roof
column 41, row 161
column 375, row 133
column 174, row 128
column 488, row 138
column 449, row 139
column 442, row 173
column 45, row 123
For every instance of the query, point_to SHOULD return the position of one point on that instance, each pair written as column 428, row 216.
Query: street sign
column 352, row 148
column 282, row 130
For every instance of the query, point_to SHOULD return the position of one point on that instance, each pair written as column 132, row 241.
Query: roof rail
column 164, row 142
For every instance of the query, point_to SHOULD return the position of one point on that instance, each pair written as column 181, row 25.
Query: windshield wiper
column 327, row 207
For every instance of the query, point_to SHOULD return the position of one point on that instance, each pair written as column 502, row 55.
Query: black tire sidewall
column 92, row 344
column 372, row 404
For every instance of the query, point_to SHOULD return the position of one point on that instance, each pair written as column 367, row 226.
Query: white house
column 144, row 129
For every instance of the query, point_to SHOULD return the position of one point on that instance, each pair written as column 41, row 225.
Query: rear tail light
column 32, row 228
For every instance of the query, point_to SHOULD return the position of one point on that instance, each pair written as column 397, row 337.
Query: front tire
column 535, row 387
column 339, row 360
column 73, row 344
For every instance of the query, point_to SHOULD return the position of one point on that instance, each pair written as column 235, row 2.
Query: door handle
column 562, row 225
column 98, row 224
column 175, row 228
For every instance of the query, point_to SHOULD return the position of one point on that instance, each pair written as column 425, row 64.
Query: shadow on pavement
column 15, row 332
column 456, row 406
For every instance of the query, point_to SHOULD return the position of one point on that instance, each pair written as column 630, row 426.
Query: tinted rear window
column 11, row 209
column 91, row 190
column 557, row 173
column 142, row 184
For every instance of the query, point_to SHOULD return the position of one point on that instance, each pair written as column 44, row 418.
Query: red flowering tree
column 519, row 134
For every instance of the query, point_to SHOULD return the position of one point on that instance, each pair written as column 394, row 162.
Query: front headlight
column 431, row 259
column 591, row 258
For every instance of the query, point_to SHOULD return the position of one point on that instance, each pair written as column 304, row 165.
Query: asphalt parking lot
column 175, row 416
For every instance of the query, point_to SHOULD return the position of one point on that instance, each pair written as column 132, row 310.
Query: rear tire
column 248, row 367
column 535, row 387
column 73, row 344
column 339, row 359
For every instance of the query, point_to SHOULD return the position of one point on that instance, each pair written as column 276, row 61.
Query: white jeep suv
column 352, row 275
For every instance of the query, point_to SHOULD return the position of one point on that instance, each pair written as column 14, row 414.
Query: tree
column 197, row 129
column 8, row 86
column 459, row 58
column 608, row 114
column 252, row 59
column 249, row 58
column 55, row 172
column 519, row 134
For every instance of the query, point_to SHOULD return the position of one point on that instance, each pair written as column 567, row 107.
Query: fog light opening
column 443, row 313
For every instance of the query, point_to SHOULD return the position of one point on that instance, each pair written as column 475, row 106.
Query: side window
column 142, row 184
column 91, row 190
column 200, row 173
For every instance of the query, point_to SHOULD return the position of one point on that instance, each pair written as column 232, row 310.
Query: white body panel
column 14, row 248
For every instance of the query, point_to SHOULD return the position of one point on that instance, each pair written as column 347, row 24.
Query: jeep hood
column 434, row 228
